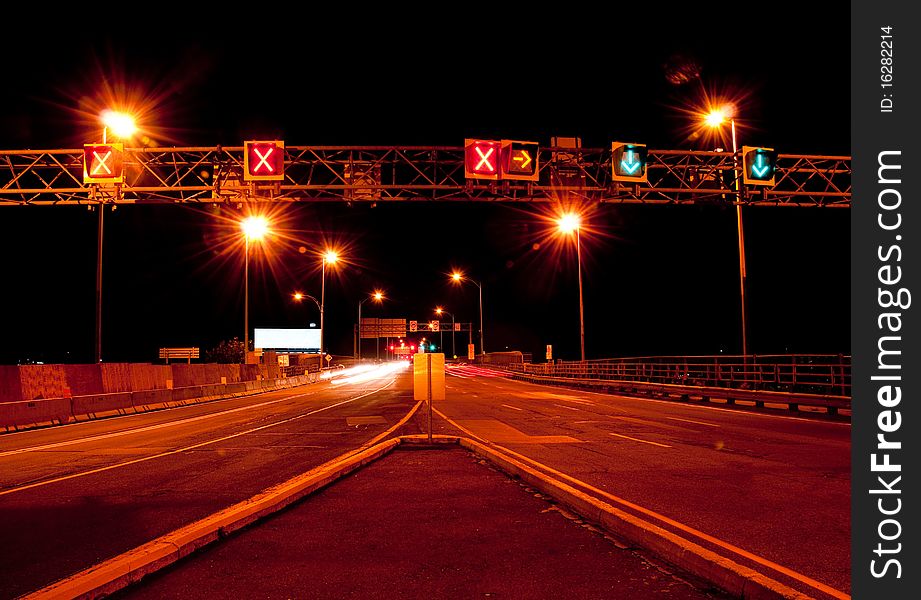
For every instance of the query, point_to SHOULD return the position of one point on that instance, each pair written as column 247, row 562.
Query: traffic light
column 628, row 162
column 264, row 161
column 481, row 159
column 518, row 160
column 102, row 163
column 431, row 347
column 758, row 165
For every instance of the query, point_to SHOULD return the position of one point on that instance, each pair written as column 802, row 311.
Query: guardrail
column 791, row 379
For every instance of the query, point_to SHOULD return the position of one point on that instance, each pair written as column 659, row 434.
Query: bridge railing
column 824, row 374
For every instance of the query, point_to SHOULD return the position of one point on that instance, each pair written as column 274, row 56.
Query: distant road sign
column 549, row 352
column 470, row 352
column 435, row 325
column 414, row 325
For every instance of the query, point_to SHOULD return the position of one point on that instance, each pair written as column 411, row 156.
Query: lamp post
column 440, row 311
column 377, row 296
column 123, row 126
column 567, row 224
column 715, row 119
column 458, row 277
column 254, row 228
column 329, row 257
column 300, row 296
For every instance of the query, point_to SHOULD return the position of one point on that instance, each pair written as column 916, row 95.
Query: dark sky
column 657, row 279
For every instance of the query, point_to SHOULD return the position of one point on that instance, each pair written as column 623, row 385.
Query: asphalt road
column 769, row 491
column 74, row 495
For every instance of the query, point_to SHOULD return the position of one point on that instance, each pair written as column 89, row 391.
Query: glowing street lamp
column 123, row 126
column 329, row 257
column 567, row 224
column 254, row 228
column 715, row 119
column 458, row 277
column 377, row 296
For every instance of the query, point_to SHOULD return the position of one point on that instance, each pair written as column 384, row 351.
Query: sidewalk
column 420, row 524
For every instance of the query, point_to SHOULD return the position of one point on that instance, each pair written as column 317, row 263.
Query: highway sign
column 435, row 325
column 414, row 325
column 481, row 159
column 264, row 160
column 102, row 163
column 628, row 162
column 758, row 165
column 519, row 160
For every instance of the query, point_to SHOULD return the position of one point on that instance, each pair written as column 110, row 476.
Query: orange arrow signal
column 524, row 158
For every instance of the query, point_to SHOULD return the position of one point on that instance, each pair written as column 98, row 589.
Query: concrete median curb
column 129, row 567
column 722, row 572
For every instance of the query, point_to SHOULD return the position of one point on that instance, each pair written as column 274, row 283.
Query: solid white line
column 566, row 407
column 187, row 448
column 105, row 436
column 512, row 407
column 627, row 437
column 697, row 422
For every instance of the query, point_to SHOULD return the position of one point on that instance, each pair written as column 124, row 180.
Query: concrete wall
column 38, row 382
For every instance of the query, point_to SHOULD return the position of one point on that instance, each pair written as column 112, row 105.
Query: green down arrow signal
column 759, row 168
column 630, row 164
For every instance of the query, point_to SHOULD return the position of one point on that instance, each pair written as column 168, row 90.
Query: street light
column 458, row 277
column 254, row 228
column 715, row 118
column 567, row 224
column 331, row 257
column 440, row 311
column 123, row 126
column 377, row 296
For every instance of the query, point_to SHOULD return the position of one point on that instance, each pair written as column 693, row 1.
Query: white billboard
column 289, row 339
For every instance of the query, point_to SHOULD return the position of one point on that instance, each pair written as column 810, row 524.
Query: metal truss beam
column 390, row 174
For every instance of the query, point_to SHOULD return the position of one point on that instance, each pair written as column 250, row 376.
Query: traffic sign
column 435, row 325
column 264, row 160
column 758, row 165
column 102, row 163
column 481, row 159
column 519, row 160
column 549, row 352
column 457, row 327
column 628, row 162
column 414, row 326
column 470, row 352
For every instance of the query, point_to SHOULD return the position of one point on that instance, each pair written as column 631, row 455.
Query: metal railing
column 824, row 374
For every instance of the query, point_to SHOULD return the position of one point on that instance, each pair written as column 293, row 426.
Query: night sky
column 657, row 279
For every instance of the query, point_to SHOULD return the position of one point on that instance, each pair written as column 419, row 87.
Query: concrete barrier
column 147, row 398
column 100, row 405
column 36, row 412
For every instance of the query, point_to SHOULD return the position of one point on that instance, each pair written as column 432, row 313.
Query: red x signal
column 481, row 159
column 102, row 163
column 264, row 161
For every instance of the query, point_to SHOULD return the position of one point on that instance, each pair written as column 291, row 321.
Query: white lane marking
column 566, row 407
column 627, row 437
column 697, row 422
column 512, row 407
column 187, row 448
column 105, row 436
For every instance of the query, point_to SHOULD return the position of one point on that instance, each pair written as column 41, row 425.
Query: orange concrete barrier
column 83, row 380
column 10, row 384
column 36, row 412
column 98, row 405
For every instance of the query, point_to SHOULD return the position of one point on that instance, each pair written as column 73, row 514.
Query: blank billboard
column 287, row 339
